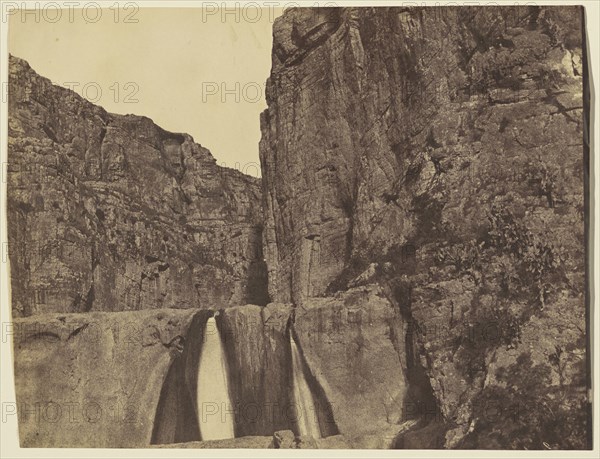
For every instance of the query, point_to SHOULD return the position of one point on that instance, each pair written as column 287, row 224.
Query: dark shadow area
column 588, row 114
column 424, row 435
column 257, row 288
column 419, row 403
column 257, row 291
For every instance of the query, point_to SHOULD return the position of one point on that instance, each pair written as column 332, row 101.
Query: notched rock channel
column 257, row 355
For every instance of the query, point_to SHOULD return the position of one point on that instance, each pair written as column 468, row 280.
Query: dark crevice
column 257, row 287
column 102, row 135
column 89, row 299
column 50, row 133
column 77, row 331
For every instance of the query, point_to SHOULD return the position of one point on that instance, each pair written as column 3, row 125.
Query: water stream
column 306, row 415
column 215, row 411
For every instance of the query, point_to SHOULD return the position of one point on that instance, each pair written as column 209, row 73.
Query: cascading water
column 306, row 415
column 215, row 413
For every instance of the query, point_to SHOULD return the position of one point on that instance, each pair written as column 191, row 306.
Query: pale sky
column 190, row 71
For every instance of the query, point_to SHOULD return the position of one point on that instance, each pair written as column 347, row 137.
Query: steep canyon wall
column 439, row 153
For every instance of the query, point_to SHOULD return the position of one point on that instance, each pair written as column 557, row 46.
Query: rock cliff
column 111, row 213
column 439, row 153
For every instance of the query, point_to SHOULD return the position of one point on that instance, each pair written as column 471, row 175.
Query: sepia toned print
column 404, row 268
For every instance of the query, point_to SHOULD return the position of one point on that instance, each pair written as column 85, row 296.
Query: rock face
column 351, row 344
column 111, row 213
column 258, row 352
column 440, row 153
column 94, row 379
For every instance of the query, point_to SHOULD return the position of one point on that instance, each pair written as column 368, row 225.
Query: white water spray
column 215, row 411
column 306, row 414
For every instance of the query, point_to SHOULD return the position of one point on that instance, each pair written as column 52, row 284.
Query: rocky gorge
column 419, row 234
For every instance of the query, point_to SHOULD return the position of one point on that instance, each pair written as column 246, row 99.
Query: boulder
column 352, row 349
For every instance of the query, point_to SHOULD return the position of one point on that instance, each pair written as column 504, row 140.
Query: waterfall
column 306, row 415
column 215, row 411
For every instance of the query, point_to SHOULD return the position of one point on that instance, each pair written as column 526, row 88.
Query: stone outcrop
column 440, row 153
column 258, row 353
column 94, row 379
column 109, row 212
column 129, row 379
column 351, row 343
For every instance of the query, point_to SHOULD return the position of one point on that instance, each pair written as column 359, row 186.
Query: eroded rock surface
column 94, row 380
column 350, row 343
column 241, row 442
column 258, row 352
column 439, row 153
